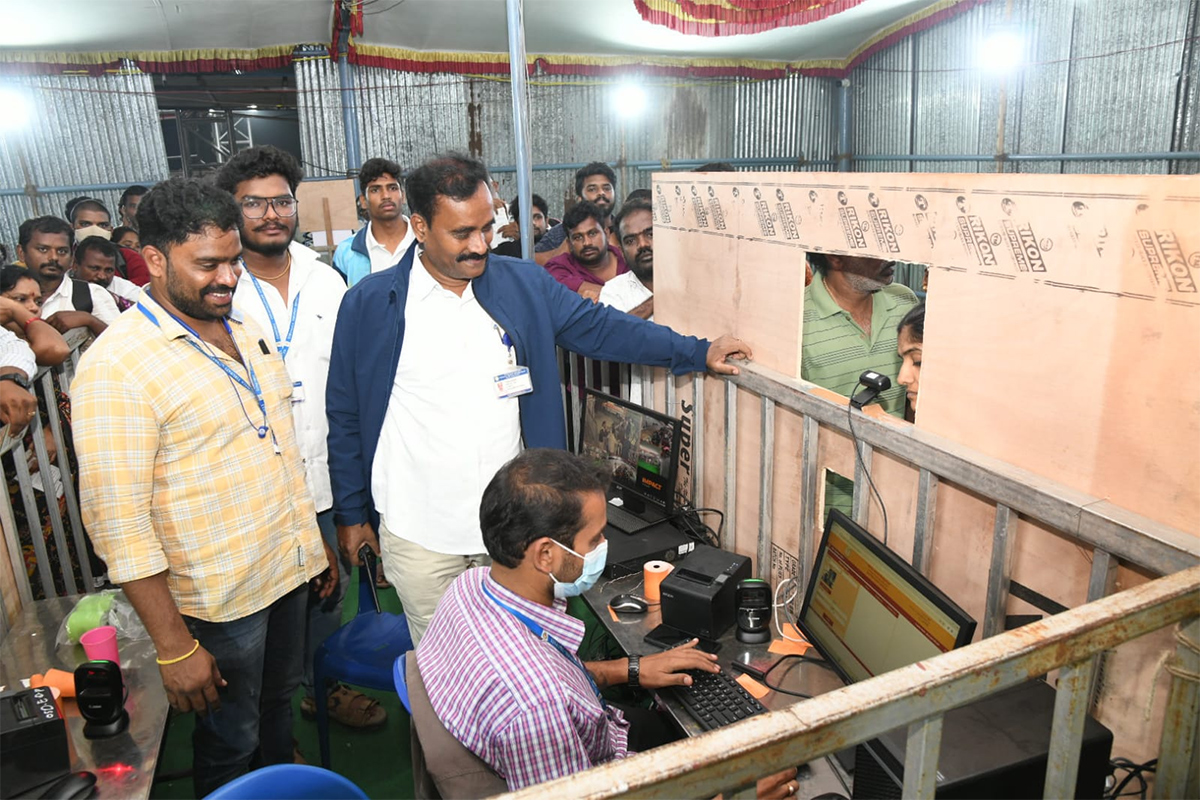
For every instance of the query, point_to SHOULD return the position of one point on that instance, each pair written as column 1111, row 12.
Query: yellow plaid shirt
column 174, row 477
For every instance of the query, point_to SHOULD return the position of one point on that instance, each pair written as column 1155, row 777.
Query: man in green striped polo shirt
column 851, row 310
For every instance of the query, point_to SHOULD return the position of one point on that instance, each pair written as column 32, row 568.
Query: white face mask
column 593, row 566
column 92, row 230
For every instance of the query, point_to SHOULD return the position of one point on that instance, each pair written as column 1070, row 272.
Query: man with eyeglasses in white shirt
column 295, row 298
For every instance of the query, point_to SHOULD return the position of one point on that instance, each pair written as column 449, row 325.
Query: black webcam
column 875, row 383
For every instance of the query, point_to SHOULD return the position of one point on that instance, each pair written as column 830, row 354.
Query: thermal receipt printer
column 698, row 595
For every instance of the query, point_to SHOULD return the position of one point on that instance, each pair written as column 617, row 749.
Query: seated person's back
column 499, row 658
column 497, row 688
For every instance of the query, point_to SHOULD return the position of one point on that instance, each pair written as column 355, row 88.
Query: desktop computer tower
column 996, row 747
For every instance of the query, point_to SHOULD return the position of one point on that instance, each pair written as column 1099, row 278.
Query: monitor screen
column 869, row 612
column 639, row 446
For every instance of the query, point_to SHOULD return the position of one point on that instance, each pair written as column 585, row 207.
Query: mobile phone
column 666, row 637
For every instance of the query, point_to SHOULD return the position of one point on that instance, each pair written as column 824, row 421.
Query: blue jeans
column 324, row 616
column 261, row 657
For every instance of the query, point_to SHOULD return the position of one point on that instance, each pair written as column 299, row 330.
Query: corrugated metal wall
column 319, row 106
column 82, row 130
column 1187, row 117
column 793, row 117
column 409, row 117
column 1098, row 78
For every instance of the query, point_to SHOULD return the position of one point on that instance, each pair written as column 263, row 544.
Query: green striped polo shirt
column 836, row 350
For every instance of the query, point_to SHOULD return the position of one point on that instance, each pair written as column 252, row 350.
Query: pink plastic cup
column 100, row 644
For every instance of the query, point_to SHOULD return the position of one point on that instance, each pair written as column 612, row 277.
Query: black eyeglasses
column 256, row 207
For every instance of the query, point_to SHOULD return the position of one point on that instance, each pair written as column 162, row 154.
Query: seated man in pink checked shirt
column 499, row 657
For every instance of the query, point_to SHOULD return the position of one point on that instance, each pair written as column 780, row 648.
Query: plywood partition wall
column 1062, row 336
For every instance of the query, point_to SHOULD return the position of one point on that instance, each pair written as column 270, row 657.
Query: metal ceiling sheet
column 82, row 131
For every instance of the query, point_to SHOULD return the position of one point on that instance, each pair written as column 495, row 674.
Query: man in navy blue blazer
column 444, row 368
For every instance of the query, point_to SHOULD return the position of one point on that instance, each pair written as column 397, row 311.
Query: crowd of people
column 249, row 419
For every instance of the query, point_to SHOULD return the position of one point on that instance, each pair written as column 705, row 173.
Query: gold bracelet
column 189, row 654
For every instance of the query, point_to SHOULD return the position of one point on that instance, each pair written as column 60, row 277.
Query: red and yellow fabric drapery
column 737, row 17
column 178, row 62
column 15, row 62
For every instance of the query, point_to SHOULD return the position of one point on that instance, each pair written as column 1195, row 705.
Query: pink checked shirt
column 509, row 697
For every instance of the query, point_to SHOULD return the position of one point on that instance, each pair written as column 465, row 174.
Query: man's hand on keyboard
column 667, row 668
column 779, row 786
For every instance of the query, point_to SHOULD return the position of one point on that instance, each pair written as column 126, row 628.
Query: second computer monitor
column 869, row 612
column 639, row 446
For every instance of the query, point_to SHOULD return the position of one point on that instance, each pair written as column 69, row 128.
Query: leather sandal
column 349, row 707
column 381, row 581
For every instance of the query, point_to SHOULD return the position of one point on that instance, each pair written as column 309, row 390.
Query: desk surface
column 795, row 675
column 123, row 764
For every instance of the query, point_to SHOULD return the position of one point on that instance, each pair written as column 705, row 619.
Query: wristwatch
column 635, row 671
column 18, row 379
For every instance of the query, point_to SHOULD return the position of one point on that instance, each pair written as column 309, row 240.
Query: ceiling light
column 629, row 99
column 15, row 109
column 1002, row 51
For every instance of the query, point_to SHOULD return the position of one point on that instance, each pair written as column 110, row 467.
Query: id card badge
column 298, row 392
column 513, row 383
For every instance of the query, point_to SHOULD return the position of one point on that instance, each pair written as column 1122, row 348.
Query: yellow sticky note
column 786, row 647
column 756, row 689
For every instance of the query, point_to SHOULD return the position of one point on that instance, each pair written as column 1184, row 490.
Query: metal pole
column 1187, row 155
column 1002, row 115
column 844, row 118
column 349, row 99
column 520, row 101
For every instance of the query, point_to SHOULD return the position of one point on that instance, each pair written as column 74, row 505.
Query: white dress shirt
column 381, row 257
column 317, row 292
column 445, row 433
column 104, row 308
column 624, row 292
column 126, row 290
column 15, row 352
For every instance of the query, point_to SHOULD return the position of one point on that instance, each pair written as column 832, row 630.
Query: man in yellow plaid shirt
column 193, row 487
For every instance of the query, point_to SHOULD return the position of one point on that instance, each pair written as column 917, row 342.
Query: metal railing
column 35, row 495
column 918, row 696
column 730, row 759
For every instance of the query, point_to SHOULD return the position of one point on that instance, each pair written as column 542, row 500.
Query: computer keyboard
column 716, row 699
column 625, row 521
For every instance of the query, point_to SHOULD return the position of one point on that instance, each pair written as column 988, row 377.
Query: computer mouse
column 76, row 786
column 628, row 604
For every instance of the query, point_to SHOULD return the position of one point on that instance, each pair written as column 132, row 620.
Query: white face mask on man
column 92, row 230
column 593, row 566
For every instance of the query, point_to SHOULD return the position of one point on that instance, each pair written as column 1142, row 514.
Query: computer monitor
column 867, row 611
column 638, row 445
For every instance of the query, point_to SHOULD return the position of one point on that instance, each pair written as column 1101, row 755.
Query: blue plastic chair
column 360, row 652
column 400, row 678
column 289, row 782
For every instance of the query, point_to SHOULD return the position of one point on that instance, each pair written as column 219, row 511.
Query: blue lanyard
column 540, row 632
column 281, row 345
column 252, row 387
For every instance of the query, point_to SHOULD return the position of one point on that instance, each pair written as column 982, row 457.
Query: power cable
column 857, row 451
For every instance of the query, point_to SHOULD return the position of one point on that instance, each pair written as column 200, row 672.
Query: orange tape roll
column 653, row 573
